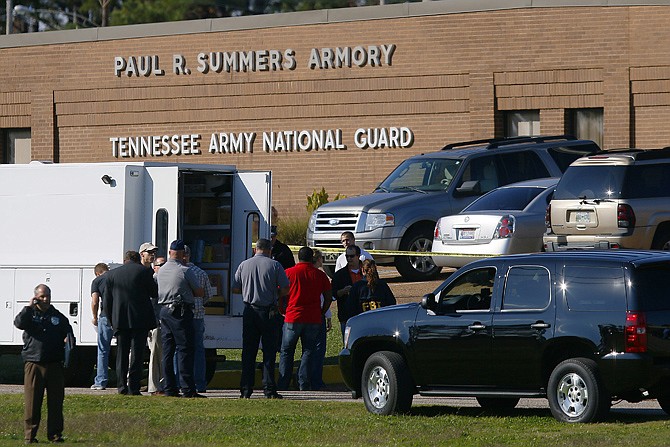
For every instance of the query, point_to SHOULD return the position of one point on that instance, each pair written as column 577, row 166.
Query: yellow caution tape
column 295, row 248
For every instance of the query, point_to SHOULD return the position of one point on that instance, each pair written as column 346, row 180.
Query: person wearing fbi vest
column 369, row 293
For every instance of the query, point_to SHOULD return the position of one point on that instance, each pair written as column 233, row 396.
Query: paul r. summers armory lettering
column 258, row 61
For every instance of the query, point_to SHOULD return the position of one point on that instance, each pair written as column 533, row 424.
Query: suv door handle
column 476, row 327
column 540, row 325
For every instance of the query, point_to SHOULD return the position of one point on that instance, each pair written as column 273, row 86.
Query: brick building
column 337, row 98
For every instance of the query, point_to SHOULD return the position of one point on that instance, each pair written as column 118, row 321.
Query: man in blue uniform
column 177, row 288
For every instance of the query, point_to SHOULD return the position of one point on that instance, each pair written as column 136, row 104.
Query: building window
column 587, row 124
column 522, row 123
column 17, row 145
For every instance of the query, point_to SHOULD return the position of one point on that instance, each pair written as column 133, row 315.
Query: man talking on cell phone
column 44, row 332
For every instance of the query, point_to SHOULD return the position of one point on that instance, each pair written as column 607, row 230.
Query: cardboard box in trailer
column 59, row 220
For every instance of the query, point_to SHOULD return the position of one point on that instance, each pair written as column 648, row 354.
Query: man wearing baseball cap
column 155, row 385
column 147, row 253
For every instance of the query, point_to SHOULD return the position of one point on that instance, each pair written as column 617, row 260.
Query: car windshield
column 591, row 182
column 424, row 175
column 512, row 199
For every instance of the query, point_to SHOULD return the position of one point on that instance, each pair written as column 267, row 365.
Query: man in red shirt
column 302, row 319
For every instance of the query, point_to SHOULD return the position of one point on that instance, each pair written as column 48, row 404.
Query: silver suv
column 401, row 212
column 616, row 199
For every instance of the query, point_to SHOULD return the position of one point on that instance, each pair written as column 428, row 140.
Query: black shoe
column 57, row 438
column 274, row 395
column 245, row 395
column 194, row 395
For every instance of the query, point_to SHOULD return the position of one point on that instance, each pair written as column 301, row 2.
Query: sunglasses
column 350, row 256
column 159, row 265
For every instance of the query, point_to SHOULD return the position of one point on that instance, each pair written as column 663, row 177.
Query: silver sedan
column 507, row 220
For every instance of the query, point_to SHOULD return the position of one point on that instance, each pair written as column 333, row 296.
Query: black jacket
column 282, row 254
column 362, row 299
column 127, row 298
column 43, row 334
column 341, row 279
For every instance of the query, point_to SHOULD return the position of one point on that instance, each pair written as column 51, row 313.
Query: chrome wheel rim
column 573, row 395
column 378, row 387
column 422, row 264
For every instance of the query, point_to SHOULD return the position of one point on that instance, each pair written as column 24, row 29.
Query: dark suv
column 580, row 329
column 401, row 212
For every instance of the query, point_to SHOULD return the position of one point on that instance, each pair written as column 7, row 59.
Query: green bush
column 319, row 198
column 293, row 230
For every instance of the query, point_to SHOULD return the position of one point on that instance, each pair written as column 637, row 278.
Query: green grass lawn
column 106, row 420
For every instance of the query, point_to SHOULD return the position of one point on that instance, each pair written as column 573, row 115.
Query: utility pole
column 10, row 17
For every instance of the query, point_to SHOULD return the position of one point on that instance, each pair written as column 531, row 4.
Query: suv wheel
column 664, row 402
column 386, row 384
column 575, row 392
column 497, row 403
column 417, row 268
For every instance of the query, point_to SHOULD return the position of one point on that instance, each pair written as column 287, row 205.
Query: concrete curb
column 231, row 379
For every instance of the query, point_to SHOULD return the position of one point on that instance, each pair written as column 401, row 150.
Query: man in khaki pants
column 44, row 332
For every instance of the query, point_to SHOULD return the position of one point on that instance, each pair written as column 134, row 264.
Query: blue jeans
column 105, row 334
column 308, row 334
column 319, row 357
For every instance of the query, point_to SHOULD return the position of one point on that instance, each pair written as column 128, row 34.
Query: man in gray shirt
column 261, row 281
column 177, row 287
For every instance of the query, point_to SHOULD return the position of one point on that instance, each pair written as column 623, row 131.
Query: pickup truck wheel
column 386, row 384
column 497, row 403
column 575, row 392
column 417, row 268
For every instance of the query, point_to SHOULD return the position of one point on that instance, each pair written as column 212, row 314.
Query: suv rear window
column 650, row 287
column 591, row 182
column 614, row 182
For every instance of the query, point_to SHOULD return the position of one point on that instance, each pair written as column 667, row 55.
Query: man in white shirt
column 347, row 238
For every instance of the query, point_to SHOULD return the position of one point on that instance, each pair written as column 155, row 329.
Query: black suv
column 578, row 328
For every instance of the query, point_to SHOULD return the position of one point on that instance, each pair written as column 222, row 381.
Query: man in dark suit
column 127, row 298
column 343, row 279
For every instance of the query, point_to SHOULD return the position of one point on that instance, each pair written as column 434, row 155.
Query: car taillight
column 547, row 218
column 635, row 332
column 438, row 233
column 625, row 216
column 505, row 227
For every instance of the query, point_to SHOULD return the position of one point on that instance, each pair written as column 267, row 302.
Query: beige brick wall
column 452, row 78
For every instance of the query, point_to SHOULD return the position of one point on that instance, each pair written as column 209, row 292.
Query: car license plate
column 465, row 234
column 582, row 217
column 330, row 258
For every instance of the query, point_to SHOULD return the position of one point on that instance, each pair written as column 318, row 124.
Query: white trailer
column 59, row 220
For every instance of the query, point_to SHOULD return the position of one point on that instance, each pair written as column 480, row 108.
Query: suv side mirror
column 428, row 302
column 469, row 188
